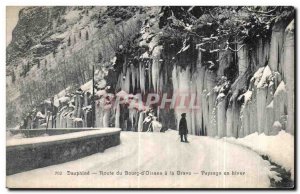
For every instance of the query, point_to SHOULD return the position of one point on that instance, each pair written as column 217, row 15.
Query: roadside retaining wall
column 50, row 131
column 38, row 152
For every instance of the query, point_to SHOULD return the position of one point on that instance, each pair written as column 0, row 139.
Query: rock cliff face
column 230, row 78
column 35, row 26
column 54, row 48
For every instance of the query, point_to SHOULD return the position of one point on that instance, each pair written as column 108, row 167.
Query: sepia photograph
column 150, row 97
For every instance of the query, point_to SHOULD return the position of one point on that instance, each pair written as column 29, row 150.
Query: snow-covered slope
column 200, row 164
column 279, row 148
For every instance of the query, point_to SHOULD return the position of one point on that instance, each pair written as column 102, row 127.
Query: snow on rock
column 166, row 153
column 87, row 87
column 145, row 55
column 271, row 105
column 220, row 96
column 247, row 96
column 188, row 27
column 40, row 115
column 279, row 148
column 43, row 125
column 78, row 119
column 47, row 101
column 61, row 100
column 280, row 88
column 63, row 93
column 122, row 93
column 101, row 83
column 101, row 93
column 277, row 126
column 266, row 74
column 257, row 75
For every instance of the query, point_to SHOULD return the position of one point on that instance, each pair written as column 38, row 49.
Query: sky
column 12, row 13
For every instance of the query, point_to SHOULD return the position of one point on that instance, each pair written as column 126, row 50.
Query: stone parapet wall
column 40, row 152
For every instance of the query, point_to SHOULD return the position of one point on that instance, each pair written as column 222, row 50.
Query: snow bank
column 279, row 148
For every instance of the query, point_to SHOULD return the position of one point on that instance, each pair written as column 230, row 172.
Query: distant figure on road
column 183, row 130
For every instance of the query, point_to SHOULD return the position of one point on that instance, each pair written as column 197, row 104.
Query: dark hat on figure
column 183, row 114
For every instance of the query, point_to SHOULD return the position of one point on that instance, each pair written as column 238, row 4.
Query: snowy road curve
column 198, row 164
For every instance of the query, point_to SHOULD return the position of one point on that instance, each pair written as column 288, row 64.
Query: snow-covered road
column 201, row 163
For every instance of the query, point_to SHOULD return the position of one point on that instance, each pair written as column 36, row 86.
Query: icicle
column 133, row 76
column 126, row 81
column 289, row 72
column 174, row 78
column 141, row 119
column 261, row 110
column 275, row 48
column 106, row 117
column 221, row 118
column 155, row 73
column 142, row 77
column 161, row 84
column 155, row 67
column 280, row 102
column 117, row 119
column 137, row 74
column 270, row 120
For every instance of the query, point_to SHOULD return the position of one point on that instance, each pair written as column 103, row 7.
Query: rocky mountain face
column 230, row 69
column 72, row 37
column 35, row 26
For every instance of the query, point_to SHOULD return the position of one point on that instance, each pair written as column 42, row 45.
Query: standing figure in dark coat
column 147, row 123
column 183, row 130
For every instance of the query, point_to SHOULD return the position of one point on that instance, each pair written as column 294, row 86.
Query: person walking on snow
column 183, row 130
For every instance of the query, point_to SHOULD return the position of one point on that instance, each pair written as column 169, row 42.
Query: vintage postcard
column 138, row 97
